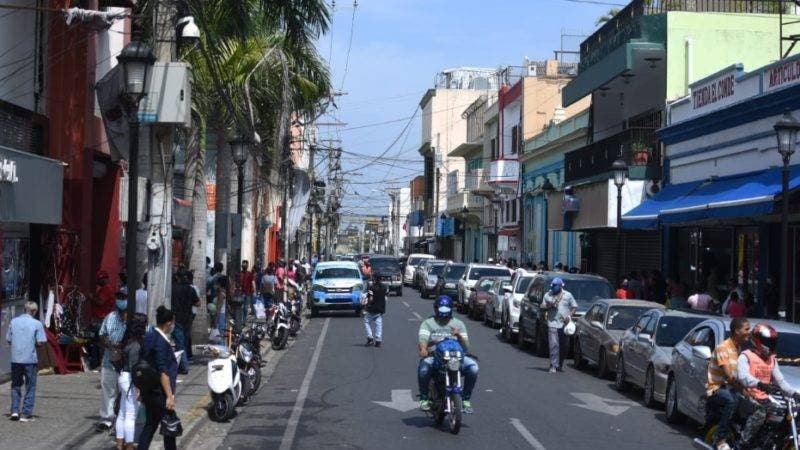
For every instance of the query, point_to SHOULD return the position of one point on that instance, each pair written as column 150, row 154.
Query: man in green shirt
column 434, row 330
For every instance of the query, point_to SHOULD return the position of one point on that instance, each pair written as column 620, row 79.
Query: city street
column 330, row 390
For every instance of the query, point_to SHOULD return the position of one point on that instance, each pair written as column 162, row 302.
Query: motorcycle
column 282, row 325
column 224, row 382
column 248, row 358
column 779, row 430
column 446, row 385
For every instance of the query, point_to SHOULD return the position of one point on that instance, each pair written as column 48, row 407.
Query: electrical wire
column 350, row 43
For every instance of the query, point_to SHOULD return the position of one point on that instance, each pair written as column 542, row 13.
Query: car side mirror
column 645, row 337
column 596, row 324
column 701, row 351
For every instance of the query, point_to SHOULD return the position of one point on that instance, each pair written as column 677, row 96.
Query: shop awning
column 751, row 194
column 31, row 187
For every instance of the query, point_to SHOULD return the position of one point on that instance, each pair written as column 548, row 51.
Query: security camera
column 189, row 31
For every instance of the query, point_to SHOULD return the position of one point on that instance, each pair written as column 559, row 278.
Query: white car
column 411, row 266
column 507, row 312
column 472, row 274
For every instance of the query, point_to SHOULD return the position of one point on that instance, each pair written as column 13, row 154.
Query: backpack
column 145, row 377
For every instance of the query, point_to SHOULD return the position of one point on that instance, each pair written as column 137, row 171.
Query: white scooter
column 224, row 382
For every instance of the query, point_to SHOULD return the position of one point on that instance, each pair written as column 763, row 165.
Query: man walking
column 247, row 287
column 183, row 298
column 559, row 306
column 111, row 332
column 376, row 307
column 25, row 333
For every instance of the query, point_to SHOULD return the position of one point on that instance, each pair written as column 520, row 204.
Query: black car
column 585, row 288
column 448, row 282
column 388, row 268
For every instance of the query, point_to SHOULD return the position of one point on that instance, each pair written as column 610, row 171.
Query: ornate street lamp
column 547, row 189
column 136, row 59
column 786, row 131
column 464, row 213
column 620, row 172
column 240, row 149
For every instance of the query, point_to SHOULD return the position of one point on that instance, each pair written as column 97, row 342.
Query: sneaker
column 377, row 343
column 425, row 405
column 723, row 446
column 370, row 341
column 103, row 426
column 552, row 370
column 27, row 418
column 14, row 416
column 466, row 407
column 560, row 369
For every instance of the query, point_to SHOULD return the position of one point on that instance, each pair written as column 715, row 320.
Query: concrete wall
column 541, row 98
column 17, row 65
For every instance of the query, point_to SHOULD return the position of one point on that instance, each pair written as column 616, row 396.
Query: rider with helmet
column 434, row 330
column 759, row 373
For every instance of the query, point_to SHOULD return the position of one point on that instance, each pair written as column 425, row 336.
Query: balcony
column 457, row 201
column 638, row 146
column 503, row 171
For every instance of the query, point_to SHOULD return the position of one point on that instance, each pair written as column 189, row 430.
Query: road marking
column 527, row 434
column 417, row 316
column 294, row 419
column 596, row 403
column 401, row 401
column 407, row 305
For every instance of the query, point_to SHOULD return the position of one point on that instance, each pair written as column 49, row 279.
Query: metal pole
column 239, row 206
column 131, row 228
column 784, row 267
column 619, row 234
column 546, row 232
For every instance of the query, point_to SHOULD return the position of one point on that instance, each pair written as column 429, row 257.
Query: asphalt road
column 324, row 393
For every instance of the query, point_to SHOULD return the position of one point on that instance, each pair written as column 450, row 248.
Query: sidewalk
column 67, row 407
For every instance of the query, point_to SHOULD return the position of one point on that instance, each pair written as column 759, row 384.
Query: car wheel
column 541, row 342
column 521, row 342
column 671, row 405
column 602, row 364
column 649, row 388
column 620, row 383
column 577, row 356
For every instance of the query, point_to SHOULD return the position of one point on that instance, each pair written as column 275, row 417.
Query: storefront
column 30, row 197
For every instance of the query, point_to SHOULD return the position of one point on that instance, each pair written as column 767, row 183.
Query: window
column 641, row 323
column 672, row 329
column 623, row 317
column 514, row 139
column 493, row 146
column 592, row 313
column 702, row 336
column 651, row 327
column 513, row 210
column 337, row 272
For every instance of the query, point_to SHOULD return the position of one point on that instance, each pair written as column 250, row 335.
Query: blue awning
column 751, row 194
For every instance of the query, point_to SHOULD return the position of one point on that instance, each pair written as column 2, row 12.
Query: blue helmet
column 443, row 307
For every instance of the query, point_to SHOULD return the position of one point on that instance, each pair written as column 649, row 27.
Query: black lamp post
column 240, row 147
column 464, row 213
column 136, row 60
column 786, row 131
column 496, row 208
column 620, row 172
column 547, row 189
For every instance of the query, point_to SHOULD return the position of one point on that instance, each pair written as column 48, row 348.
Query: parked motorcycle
column 282, row 324
column 248, row 358
column 447, row 384
column 779, row 430
column 224, row 382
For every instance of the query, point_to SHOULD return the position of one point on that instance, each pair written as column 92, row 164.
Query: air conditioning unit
column 532, row 70
column 169, row 99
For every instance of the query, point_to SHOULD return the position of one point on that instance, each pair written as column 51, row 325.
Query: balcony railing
column 639, row 148
column 625, row 24
column 473, row 179
column 456, row 202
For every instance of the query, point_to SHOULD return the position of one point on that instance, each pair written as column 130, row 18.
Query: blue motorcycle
column 447, row 383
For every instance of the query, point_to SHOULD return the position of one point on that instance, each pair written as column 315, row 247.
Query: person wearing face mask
column 111, row 333
column 559, row 306
column 158, row 350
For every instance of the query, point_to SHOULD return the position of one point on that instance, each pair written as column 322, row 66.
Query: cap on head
column 557, row 282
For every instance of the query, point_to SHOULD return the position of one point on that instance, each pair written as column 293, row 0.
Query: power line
column 350, row 42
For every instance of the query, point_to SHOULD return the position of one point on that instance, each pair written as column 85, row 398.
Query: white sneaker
column 26, row 418
column 14, row 416
column 723, row 446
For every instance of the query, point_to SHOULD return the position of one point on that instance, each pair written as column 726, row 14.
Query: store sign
column 713, row 91
column 8, row 171
column 781, row 75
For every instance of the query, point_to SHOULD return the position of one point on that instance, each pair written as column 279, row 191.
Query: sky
column 397, row 48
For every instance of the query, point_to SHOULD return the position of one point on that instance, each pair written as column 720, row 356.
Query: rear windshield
column 436, row 269
column 336, row 272
column 587, row 291
column 522, row 286
column 454, row 272
column 479, row 272
column 672, row 329
column 623, row 317
column 416, row 261
column 485, row 285
column 385, row 265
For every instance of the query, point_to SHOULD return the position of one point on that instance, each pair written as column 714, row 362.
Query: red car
column 478, row 297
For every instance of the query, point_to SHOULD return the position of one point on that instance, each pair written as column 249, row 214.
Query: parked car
column 433, row 272
column 472, row 274
column 598, row 332
column 504, row 311
column 336, row 285
column 421, row 272
column 484, row 289
column 645, row 351
column 412, row 262
column 388, row 268
column 448, row 282
column 585, row 288
column 688, row 374
column 500, row 288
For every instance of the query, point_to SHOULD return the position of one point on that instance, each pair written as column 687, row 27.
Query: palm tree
column 607, row 16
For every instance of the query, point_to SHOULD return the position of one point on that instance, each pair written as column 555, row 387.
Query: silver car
column 599, row 331
column 421, row 272
column 688, row 374
column 645, row 351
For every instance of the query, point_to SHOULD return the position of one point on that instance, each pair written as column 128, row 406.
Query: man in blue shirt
column 25, row 333
column 111, row 332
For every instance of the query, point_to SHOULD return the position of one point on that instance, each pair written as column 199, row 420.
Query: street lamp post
column 786, row 131
column 136, row 60
column 620, row 172
column 496, row 208
column 547, row 189
column 464, row 213
column 240, row 147
column 441, row 238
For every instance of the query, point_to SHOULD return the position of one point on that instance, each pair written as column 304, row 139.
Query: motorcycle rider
column 760, row 375
column 723, row 383
column 434, row 330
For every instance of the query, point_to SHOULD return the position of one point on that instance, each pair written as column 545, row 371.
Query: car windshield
column 623, row 317
column 788, row 345
column 672, row 329
column 522, row 286
column 485, row 285
column 454, row 272
column 586, row 292
column 385, row 265
column 416, row 261
column 480, row 272
column 436, row 269
column 336, row 272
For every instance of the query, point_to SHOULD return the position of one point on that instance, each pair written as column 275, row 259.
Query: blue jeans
column 181, row 335
column 469, row 369
column 23, row 373
column 378, row 319
column 726, row 400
